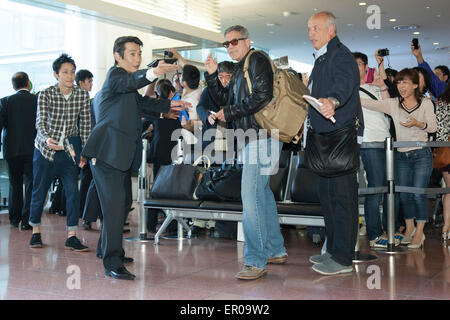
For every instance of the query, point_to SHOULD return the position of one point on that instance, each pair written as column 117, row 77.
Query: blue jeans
column 414, row 170
column 374, row 161
column 44, row 171
column 262, row 233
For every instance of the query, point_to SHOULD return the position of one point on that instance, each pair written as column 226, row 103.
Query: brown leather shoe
column 250, row 273
column 278, row 260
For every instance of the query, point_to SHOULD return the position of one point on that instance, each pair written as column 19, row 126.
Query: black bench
column 294, row 188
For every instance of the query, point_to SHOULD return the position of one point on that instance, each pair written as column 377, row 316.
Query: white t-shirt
column 193, row 98
column 376, row 124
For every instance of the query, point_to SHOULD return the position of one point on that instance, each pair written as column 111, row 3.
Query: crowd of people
column 63, row 133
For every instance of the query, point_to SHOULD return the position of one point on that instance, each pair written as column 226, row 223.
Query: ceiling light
column 270, row 24
column 349, row 24
column 315, row 9
column 427, row 7
column 392, row 20
column 363, row 4
column 435, row 43
column 286, row 13
column 416, row 33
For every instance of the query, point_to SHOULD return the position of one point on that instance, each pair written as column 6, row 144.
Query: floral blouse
column 443, row 120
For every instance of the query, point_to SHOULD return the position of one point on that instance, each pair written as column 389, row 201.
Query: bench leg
column 169, row 218
column 183, row 224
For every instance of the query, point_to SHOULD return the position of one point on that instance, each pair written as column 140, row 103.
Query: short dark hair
column 63, row 58
column 191, row 75
column 119, row 44
column 82, row 75
column 20, row 80
column 225, row 66
column 163, row 88
column 362, row 56
column 426, row 78
column 444, row 70
column 391, row 72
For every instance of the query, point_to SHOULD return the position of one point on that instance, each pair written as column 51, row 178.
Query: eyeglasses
column 233, row 42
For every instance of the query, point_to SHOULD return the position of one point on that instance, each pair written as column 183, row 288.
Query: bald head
column 321, row 28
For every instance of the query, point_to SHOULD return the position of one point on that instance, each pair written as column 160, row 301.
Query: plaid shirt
column 54, row 110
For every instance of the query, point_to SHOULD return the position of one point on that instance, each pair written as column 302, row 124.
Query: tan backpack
column 287, row 110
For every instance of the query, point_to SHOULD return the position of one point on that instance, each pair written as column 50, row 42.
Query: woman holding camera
column 414, row 118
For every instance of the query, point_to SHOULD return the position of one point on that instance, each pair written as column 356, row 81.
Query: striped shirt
column 57, row 115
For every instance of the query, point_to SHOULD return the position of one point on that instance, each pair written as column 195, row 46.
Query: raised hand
column 417, row 53
column 163, row 68
column 211, row 64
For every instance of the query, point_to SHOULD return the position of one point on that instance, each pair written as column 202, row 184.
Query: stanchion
column 390, row 198
column 142, row 189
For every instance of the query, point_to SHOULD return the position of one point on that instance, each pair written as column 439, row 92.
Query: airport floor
column 203, row 269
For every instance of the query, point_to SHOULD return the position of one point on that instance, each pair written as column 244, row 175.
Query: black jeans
column 339, row 201
column 20, row 170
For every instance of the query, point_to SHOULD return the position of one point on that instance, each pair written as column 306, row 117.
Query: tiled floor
column 204, row 268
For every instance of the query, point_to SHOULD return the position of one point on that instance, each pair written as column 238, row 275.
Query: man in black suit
column 114, row 146
column 18, row 119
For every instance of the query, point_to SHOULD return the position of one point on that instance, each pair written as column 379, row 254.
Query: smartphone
column 415, row 43
column 370, row 75
column 155, row 62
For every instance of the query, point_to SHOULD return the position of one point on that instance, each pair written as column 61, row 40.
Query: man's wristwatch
column 334, row 101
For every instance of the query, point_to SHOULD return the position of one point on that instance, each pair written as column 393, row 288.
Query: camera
column 168, row 53
column 383, row 52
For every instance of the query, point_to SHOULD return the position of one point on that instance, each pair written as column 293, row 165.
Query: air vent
column 442, row 48
column 405, row 27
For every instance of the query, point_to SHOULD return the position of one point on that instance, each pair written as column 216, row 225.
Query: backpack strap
column 247, row 62
column 368, row 93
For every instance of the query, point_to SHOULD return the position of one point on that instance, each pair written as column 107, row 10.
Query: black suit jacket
column 18, row 123
column 118, row 108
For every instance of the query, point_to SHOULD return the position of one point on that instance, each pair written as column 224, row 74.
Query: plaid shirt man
column 54, row 111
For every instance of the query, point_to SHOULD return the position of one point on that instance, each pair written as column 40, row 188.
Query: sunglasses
column 233, row 42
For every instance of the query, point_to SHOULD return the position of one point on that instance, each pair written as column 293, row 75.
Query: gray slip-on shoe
column 331, row 267
column 319, row 258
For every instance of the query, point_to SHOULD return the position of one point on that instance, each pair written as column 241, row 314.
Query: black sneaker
column 36, row 241
column 74, row 244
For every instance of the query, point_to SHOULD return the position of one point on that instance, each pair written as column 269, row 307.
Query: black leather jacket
column 240, row 105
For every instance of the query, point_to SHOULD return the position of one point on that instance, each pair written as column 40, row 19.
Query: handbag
column 221, row 184
column 178, row 181
column 333, row 154
column 441, row 157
